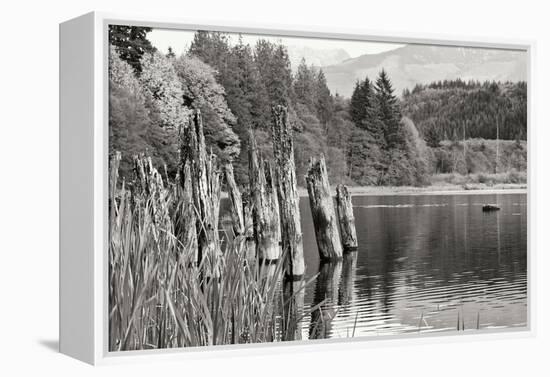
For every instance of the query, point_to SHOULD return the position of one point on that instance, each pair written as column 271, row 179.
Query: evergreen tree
column 170, row 54
column 432, row 136
column 388, row 111
column 275, row 72
column 360, row 101
column 364, row 157
column 305, row 86
column 364, row 111
column 325, row 102
column 131, row 43
column 247, row 99
column 211, row 47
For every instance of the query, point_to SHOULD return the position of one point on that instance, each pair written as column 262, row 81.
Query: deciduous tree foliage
column 201, row 91
column 146, row 113
column 160, row 81
column 135, row 124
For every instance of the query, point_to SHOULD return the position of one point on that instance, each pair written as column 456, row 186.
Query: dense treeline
column 369, row 139
column 452, row 110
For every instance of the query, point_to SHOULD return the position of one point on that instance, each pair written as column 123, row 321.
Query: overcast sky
column 180, row 40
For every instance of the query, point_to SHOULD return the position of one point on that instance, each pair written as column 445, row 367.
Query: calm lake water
column 425, row 263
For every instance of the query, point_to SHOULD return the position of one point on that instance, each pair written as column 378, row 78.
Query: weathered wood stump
column 206, row 190
column 236, row 201
column 150, row 185
column 265, row 206
column 289, row 200
column 346, row 219
column 325, row 221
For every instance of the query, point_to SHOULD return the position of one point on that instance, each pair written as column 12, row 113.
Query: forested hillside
column 452, row 110
column 369, row 139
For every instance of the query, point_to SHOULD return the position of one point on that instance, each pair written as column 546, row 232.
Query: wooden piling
column 346, row 219
column 235, row 199
column 265, row 206
column 205, row 186
column 322, row 211
column 150, row 185
column 289, row 200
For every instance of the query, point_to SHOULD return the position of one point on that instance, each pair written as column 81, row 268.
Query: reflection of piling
column 291, row 229
column 265, row 205
column 346, row 218
column 293, row 309
column 349, row 265
column 326, row 296
column 322, row 211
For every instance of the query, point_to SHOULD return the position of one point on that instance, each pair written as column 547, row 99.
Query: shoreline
column 520, row 188
column 429, row 190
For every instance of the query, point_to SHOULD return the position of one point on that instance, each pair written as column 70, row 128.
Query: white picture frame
column 84, row 181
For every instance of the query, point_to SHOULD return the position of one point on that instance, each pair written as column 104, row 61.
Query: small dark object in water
column 490, row 208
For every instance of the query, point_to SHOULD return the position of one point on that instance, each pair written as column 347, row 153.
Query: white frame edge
column 83, row 116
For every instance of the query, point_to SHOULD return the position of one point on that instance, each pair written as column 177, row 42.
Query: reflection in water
column 345, row 291
column 293, row 309
column 325, row 300
column 423, row 261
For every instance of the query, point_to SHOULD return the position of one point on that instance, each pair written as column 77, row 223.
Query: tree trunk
column 347, row 220
column 322, row 211
column 289, row 205
column 236, row 201
column 265, row 206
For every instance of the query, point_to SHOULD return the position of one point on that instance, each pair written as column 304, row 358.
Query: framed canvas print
column 228, row 188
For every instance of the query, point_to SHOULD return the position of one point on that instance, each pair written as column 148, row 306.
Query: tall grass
column 160, row 297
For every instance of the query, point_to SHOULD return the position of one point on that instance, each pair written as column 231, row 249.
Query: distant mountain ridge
column 315, row 57
column 413, row 64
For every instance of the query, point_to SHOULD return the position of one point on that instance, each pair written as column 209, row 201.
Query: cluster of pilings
column 269, row 218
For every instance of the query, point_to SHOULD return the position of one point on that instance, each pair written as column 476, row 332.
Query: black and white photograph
column 275, row 188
